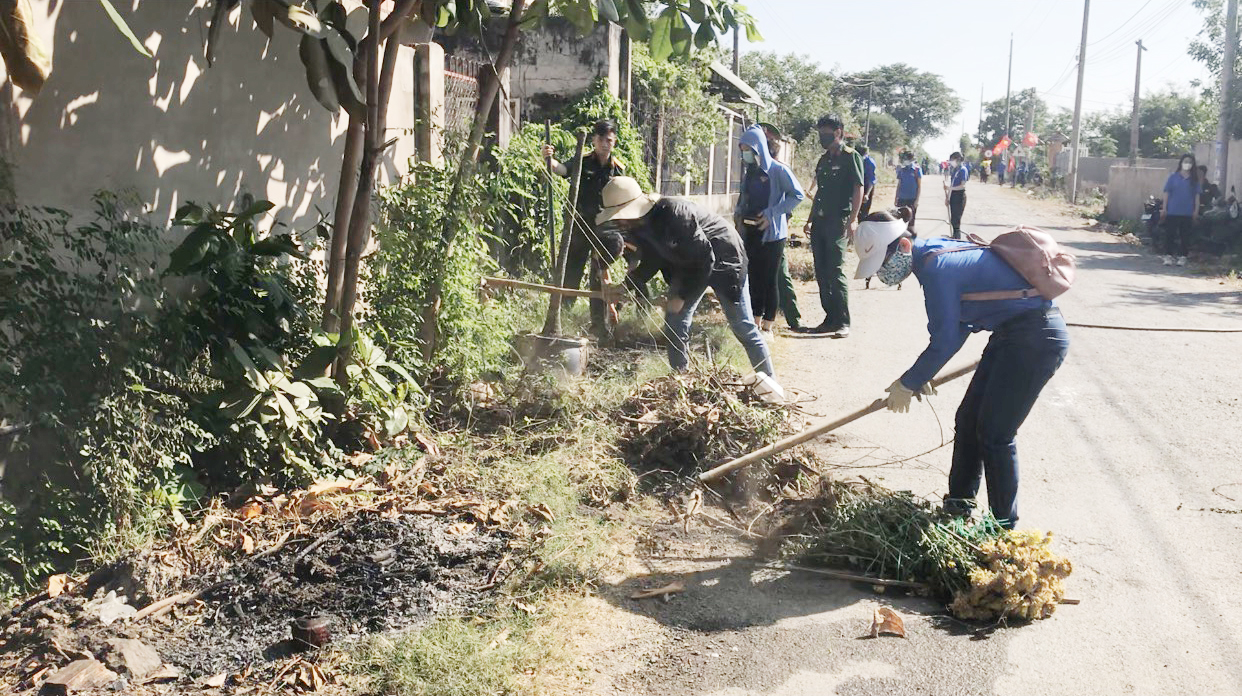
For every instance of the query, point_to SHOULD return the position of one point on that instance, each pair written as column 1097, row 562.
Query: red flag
column 1030, row 140
column 1004, row 144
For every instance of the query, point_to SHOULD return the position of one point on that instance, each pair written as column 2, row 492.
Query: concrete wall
column 719, row 203
column 1096, row 170
column 1129, row 187
column 554, row 64
column 173, row 129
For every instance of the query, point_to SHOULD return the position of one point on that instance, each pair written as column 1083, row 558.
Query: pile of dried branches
column 983, row 570
column 684, row 423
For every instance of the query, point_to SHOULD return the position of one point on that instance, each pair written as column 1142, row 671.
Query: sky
column 966, row 42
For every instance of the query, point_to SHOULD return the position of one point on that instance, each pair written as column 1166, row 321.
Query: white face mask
column 1186, row 166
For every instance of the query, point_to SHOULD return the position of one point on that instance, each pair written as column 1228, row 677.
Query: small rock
column 133, row 657
column 78, row 675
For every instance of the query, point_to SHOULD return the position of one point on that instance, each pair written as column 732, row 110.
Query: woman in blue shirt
column 955, row 192
column 909, row 187
column 769, row 193
column 1027, row 346
column 1181, row 209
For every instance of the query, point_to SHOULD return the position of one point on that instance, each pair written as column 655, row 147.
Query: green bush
column 474, row 336
column 81, row 361
column 134, row 396
column 595, row 104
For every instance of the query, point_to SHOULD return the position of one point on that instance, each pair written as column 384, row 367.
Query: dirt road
column 1130, row 457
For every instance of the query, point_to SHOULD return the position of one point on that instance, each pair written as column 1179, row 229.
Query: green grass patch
column 451, row 657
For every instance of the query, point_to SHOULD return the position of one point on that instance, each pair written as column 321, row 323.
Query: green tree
column 348, row 72
column 993, row 126
column 965, row 146
column 1208, row 49
column 887, row 135
column 795, row 88
column 920, row 101
column 675, row 92
column 1168, row 122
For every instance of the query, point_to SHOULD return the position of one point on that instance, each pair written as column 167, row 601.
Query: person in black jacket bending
column 693, row 249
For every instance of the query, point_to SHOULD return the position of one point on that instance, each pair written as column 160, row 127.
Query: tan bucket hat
column 624, row 200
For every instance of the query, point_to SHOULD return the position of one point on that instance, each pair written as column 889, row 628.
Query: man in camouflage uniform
column 834, row 218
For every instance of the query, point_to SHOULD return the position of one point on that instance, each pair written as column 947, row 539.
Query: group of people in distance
column 744, row 263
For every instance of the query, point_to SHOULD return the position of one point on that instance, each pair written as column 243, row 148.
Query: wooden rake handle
column 814, row 432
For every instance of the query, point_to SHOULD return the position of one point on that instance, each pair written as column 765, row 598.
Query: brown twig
column 847, row 576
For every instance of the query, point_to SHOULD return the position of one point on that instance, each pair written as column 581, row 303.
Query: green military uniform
column 836, row 178
column 595, row 175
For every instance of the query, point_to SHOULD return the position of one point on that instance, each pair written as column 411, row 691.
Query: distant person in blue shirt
column 909, row 186
column 955, row 192
column 1027, row 346
column 869, row 181
column 1181, row 209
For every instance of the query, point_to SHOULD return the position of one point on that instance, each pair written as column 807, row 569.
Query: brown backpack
column 1034, row 254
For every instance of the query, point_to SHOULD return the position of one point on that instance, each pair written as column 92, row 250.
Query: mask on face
column 897, row 268
column 1186, row 166
column 827, row 140
column 955, row 163
column 748, row 156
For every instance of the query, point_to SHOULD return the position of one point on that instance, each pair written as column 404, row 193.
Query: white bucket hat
column 624, row 200
column 871, row 241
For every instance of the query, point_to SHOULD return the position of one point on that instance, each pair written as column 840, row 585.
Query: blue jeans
column 741, row 320
column 1022, row 355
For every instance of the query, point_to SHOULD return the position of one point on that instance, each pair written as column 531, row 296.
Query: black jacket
column 692, row 247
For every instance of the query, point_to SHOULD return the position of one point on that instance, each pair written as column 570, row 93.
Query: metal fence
column 461, row 92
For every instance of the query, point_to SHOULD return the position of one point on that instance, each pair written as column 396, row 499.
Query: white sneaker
column 1167, row 261
column 768, row 335
column 1181, row 260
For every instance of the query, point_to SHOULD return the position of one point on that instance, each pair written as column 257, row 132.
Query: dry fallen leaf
column 56, row 585
column 887, row 621
column 460, row 528
column 542, row 511
column 246, row 544
column 250, row 510
column 672, row 588
column 693, row 506
column 216, row 681
column 429, row 446
column 325, row 487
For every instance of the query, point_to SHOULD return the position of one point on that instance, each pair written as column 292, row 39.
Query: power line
column 1122, row 25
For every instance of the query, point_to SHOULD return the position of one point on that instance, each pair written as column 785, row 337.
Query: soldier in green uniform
column 834, row 217
column 599, row 166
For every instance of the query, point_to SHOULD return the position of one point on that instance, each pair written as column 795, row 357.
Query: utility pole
column 1223, row 131
column 1134, row 117
column 867, row 129
column 1077, row 139
column 1008, row 88
column 981, row 111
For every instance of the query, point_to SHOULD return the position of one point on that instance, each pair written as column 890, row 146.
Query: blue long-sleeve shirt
column 784, row 191
column 945, row 278
column 869, row 177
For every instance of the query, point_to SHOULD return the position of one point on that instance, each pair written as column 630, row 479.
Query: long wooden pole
column 807, row 435
column 552, row 289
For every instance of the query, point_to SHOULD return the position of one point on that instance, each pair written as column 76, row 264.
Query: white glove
column 899, row 397
column 928, row 389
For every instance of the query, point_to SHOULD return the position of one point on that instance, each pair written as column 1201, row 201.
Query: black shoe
column 824, row 328
column 959, row 507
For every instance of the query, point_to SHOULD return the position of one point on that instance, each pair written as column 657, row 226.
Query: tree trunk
column 360, row 216
column 453, row 223
column 345, row 193
column 552, row 324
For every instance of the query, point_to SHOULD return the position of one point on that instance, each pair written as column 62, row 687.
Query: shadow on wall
column 171, row 128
